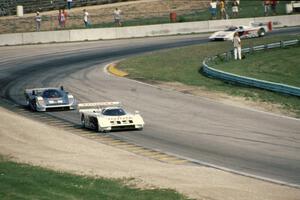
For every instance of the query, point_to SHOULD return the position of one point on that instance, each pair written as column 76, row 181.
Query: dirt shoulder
column 25, row 140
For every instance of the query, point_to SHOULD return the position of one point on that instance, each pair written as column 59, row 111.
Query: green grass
column 261, row 65
column 183, row 65
column 21, row 181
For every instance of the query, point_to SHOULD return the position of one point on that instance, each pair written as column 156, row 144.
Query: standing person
column 213, row 9
column 117, row 16
column 235, row 8
column 38, row 20
column 237, row 46
column 85, row 18
column 273, row 6
column 63, row 18
column 222, row 9
column 266, row 7
column 69, row 3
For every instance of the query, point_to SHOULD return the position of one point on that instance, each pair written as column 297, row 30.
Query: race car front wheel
column 261, row 32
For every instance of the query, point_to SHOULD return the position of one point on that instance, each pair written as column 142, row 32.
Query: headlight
column 71, row 99
column 40, row 101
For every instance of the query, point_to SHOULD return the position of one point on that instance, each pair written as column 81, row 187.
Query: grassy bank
column 20, row 181
column 277, row 65
column 183, row 64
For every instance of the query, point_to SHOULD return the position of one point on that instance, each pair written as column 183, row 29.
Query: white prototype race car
column 244, row 32
column 108, row 116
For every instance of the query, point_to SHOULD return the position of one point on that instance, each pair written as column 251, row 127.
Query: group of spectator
column 216, row 8
column 221, row 6
column 62, row 17
column 270, row 6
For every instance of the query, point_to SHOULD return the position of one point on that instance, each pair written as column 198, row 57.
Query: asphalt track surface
column 224, row 136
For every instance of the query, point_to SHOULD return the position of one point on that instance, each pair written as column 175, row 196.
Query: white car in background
column 255, row 30
column 108, row 116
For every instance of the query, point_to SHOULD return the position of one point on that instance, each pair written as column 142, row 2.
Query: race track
column 199, row 129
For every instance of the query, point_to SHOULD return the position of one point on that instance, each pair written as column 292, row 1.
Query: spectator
column 273, row 6
column 235, row 8
column 69, row 3
column 237, row 46
column 266, row 7
column 62, row 18
column 117, row 16
column 85, row 18
column 213, row 9
column 38, row 20
column 222, row 9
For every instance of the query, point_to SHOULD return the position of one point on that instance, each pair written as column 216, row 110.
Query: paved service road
column 197, row 128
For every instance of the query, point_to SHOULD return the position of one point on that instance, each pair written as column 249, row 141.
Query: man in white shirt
column 38, row 20
column 237, row 46
column 85, row 18
column 213, row 9
column 117, row 16
column 69, row 4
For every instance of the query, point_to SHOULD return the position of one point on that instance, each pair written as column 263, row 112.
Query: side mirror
column 33, row 92
column 61, row 87
column 137, row 112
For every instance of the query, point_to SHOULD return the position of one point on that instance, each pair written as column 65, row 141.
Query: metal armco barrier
column 233, row 78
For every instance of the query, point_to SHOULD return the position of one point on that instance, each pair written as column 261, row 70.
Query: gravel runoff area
column 28, row 141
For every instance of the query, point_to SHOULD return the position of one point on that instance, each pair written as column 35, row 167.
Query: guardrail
column 229, row 77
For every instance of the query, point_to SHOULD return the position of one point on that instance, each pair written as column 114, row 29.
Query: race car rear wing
column 97, row 106
column 33, row 92
column 265, row 25
column 39, row 90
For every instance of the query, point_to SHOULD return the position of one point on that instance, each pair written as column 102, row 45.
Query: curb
column 113, row 70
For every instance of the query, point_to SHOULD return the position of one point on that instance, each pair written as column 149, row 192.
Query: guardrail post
column 281, row 44
column 228, row 55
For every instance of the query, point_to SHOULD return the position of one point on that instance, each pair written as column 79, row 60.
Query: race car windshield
column 52, row 94
column 114, row 112
column 231, row 28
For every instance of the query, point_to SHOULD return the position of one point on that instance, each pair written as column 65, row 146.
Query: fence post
column 281, row 44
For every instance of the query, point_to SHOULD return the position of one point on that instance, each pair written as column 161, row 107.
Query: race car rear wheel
column 261, row 32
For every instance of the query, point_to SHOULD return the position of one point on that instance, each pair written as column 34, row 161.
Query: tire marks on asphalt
column 96, row 136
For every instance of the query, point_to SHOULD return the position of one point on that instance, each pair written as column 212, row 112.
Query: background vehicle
column 45, row 99
column 107, row 116
column 244, row 32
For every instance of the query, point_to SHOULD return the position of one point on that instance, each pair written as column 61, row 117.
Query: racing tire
column 32, row 106
column 94, row 122
column 261, row 32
